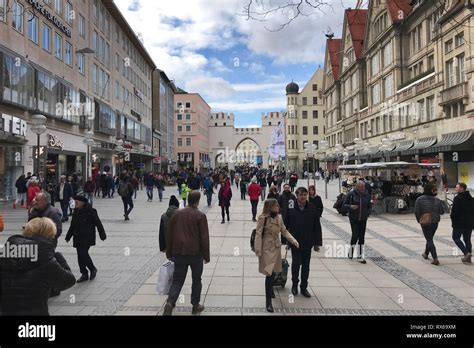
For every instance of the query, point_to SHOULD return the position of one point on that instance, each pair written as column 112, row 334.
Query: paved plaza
column 395, row 281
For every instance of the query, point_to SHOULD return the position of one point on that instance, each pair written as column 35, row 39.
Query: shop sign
column 54, row 142
column 399, row 136
column 127, row 147
column 14, row 125
column 51, row 17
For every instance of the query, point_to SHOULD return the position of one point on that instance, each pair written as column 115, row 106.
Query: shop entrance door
column 10, row 170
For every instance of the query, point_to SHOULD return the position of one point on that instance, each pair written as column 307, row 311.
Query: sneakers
column 197, row 309
column 467, row 259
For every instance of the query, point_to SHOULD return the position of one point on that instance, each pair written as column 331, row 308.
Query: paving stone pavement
column 395, row 281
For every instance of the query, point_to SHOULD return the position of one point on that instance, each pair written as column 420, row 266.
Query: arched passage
column 248, row 152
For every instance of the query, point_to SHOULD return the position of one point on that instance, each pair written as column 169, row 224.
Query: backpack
column 123, row 190
column 254, row 233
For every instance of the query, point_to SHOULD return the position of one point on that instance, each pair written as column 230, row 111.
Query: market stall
column 394, row 186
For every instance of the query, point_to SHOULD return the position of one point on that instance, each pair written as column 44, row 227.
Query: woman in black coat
column 26, row 283
column 316, row 200
column 83, row 230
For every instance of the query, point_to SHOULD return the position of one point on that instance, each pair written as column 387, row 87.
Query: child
column 243, row 190
column 184, row 193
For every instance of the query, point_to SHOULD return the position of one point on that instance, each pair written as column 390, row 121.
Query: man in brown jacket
column 189, row 247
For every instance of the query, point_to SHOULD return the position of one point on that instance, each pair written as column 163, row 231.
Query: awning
column 421, row 144
column 403, row 146
column 449, row 140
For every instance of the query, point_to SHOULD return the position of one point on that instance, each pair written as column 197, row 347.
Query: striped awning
column 456, row 138
column 424, row 143
column 403, row 146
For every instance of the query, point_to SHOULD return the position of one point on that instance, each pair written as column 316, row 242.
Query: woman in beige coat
column 268, row 248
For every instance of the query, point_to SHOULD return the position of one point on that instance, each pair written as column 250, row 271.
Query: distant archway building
column 225, row 138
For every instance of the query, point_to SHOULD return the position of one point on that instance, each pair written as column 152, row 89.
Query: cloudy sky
column 237, row 65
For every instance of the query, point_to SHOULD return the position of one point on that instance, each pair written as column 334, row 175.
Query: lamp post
column 88, row 141
column 38, row 128
column 119, row 149
column 323, row 145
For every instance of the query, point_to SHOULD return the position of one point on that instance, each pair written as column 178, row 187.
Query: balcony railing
column 454, row 93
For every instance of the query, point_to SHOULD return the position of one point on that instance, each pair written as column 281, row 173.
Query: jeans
column 254, row 208
column 180, row 190
column 301, row 258
column 184, row 202
column 181, row 264
column 90, row 197
column 429, row 232
column 21, row 198
column 127, row 205
column 242, row 195
column 466, row 233
column 64, row 208
column 263, row 193
column 358, row 235
column 85, row 261
column 149, row 192
column 160, row 194
column 209, row 198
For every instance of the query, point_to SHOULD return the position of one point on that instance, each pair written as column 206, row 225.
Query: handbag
column 165, row 278
column 254, row 233
column 425, row 219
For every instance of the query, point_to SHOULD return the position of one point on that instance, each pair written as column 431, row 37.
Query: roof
column 166, row 78
column 394, row 8
column 334, row 47
column 123, row 24
column 357, row 21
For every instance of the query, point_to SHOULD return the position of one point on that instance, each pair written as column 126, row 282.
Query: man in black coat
column 83, row 231
column 302, row 222
column 462, row 217
column 126, row 192
column 41, row 207
column 286, row 201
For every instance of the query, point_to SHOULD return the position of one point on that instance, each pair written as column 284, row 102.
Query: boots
column 228, row 218
column 467, row 258
column 269, row 305
column 351, row 252
column 435, row 262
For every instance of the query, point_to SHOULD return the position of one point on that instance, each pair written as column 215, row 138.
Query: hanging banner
column 277, row 144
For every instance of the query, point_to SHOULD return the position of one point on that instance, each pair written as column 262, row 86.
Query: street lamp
column 323, row 145
column 88, row 141
column 141, row 148
column 38, row 128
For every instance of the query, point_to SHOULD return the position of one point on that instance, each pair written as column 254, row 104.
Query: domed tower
column 292, row 130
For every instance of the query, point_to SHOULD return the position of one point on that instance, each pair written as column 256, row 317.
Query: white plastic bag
column 165, row 278
column 72, row 204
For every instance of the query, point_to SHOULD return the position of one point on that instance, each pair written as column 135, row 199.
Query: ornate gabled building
column 419, row 86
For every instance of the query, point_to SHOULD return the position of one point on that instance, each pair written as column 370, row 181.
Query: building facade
column 418, row 59
column 225, row 140
column 305, row 122
column 80, row 65
column 192, row 115
column 163, row 122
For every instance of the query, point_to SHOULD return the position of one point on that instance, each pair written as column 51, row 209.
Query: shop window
column 18, row 82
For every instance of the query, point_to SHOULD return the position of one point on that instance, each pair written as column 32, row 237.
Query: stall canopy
column 388, row 165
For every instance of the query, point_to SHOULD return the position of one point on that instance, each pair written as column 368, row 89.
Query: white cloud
column 271, row 104
column 216, row 87
column 259, row 87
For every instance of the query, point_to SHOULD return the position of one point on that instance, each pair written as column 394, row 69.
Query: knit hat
column 174, row 201
column 81, row 198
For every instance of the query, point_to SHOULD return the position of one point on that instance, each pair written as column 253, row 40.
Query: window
column 188, row 117
column 380, row 24
column 376, row 94
column 305, row 115
column 421, row 110
column 81, row 63
column 355, row 105
column 315, row 100
column 68, row 12
column 17, row 16
column 388, row 86
column 355, row 83
column 188, row 142
column 68, row 53
column 46, row 38
column 117, row 90
column 315, row 130
column 82, row 27
column 180, row 117
column 375, row 64
column 95, row 44
column 431, row 62
column 117, row 62
column 180, row 141
column 180, row 128
column 459, row 39
column 2, row 10
column 315, row 113
column 94, row 78
column 430, row 108
column 95, row 10
column 58, row 6
column 387, row 55
column 461, row 69
column 33, row 28
column 58, row 46
column 415, row 39
column 305, row 101
column 188, row 128
column 450, row 73
column 315, row 88
column 107, row 54
column 305, row 130
column 188, row 105
column 101, row 49
column 448, row 46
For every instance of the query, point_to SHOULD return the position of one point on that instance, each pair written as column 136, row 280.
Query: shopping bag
column 165, row 278
column 72, row 204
